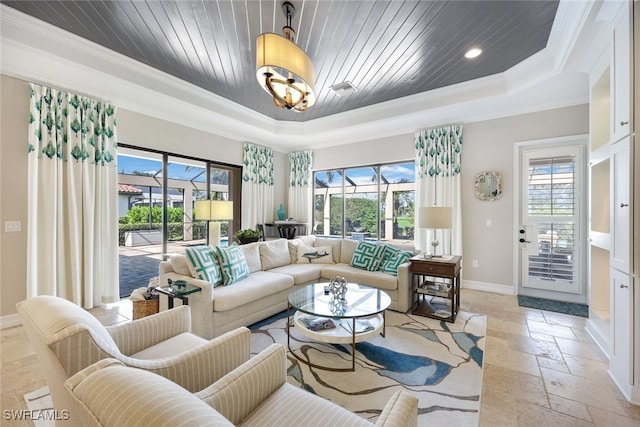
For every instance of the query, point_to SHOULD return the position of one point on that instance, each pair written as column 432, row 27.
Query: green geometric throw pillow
column 389, row 251
column 204, row 264
column 392, row 260
column 367, row 256
column 232, row 263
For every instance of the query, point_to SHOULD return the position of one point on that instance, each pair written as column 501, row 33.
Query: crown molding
column 84, row 67
column 571, row 18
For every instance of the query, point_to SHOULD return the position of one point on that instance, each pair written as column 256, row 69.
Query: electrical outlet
column 474, row 263
column 12, row 226
column 489, row 223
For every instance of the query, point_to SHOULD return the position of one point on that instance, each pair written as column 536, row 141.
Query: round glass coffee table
column 324, row 317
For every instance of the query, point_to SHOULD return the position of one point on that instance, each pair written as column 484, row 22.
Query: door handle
column 624, row 123
column 623, row 286
column 524, row 241
column 624, row 205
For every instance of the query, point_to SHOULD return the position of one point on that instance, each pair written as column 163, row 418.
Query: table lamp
column 214, row 211
column 434, row 217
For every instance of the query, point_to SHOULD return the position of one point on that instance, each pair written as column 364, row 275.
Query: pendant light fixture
column 283, row 69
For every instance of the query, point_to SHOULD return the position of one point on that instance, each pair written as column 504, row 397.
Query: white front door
column 551, row 229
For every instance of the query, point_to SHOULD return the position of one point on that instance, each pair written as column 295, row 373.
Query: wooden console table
column 436, row 287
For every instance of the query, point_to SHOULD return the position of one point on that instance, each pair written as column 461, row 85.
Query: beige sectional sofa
column 276, row 267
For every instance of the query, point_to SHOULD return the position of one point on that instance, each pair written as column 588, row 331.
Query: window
column 157, row 216
column 366, row 203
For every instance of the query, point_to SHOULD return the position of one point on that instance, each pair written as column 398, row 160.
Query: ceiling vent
column 344, row 88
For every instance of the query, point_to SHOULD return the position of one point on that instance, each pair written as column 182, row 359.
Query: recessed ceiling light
column 472, row 53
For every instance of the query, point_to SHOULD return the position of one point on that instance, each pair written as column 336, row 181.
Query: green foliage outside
column 140, row 214
column 359, row 213
column 362, row 213
column 138, row 219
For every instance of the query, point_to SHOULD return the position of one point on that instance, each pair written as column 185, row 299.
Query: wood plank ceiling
column 387, row 49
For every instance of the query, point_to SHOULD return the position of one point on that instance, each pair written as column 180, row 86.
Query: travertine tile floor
column 540, row 367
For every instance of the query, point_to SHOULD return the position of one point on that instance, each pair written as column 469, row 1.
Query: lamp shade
column 283, row 60
column 434, row 217
column 210, row 210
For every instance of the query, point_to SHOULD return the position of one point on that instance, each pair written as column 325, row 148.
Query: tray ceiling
column 386, row 49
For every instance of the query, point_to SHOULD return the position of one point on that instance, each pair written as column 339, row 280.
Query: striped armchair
column 67, row 339
column 254, row 394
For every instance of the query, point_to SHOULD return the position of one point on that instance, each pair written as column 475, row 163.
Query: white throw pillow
column 180, row 265
column 293, row 249
column 274, row 253
column 252, row 255
column 315, row 255
column 335, row 244
column 347, row 249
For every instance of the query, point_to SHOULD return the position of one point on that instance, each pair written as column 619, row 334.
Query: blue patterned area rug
column 574, row 309
column 438, row 362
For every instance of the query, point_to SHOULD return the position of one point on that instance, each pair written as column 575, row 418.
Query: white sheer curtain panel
column 438, row 159
column 258, row 197
column 300, row 189
column 72, row 239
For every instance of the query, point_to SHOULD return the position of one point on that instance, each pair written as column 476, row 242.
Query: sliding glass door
column 157, row 215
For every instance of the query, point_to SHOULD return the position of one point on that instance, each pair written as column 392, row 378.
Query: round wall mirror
column 489, row 186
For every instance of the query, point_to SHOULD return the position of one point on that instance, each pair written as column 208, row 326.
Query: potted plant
column 247, row 235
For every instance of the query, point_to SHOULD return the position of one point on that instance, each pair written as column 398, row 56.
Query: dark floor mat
column 551, row 305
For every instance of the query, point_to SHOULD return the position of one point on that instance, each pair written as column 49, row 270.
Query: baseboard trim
column 593, row 330
column 488, row 287
column 10, row 321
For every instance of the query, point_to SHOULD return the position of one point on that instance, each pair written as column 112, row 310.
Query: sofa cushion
column 180, row 265
column 377, row 279
column 252, row 256
column 392, row 259
column 306, row 240
column 274, row 253
column 232, row 263
column 347, row 248
column 293, row 249
column 259, row 285
column 301, row 273
column 367, row 256
column 315, row 255
column 336, row 244
column 203, row 264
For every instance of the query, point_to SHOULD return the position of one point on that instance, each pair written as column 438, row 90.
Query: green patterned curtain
column 258, row 164
column 300, row 168
column 300, row 188
column 72, row 193
column 439, row 151
column 438, row 159
column 257, row 185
